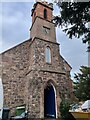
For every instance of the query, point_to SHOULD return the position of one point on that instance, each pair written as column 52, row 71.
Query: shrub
column 64, row 110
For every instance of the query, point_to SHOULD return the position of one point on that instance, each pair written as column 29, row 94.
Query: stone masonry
column 25, row 73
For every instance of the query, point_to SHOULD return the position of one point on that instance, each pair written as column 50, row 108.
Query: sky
column 15, row 22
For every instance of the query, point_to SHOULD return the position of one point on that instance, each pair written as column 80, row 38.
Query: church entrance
column 49, row 102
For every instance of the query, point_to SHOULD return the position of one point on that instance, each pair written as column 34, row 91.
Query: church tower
column 45, row 64
column 42, row 25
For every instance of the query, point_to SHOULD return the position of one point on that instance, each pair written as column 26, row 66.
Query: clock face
column 46, row 30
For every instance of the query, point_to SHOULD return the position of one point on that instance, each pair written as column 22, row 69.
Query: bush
column 64, row 110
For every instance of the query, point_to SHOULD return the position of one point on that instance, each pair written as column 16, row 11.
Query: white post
column 1, row 98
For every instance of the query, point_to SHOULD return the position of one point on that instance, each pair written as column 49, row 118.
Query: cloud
column 73, row 50
column 50, row 1
column 15, row 24
column 5, row 1
column 0, row 26
column 0, row 43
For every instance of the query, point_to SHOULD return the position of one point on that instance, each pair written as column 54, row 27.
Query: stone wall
column 26, row 73
column 37, row 30
column 14, row 66
column 37, row 59
column 37, row 81
column 39, row 73
column 0, row 65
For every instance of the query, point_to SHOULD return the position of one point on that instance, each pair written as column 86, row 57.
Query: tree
column 74, row 18
column 64, row 110
column 82, row 84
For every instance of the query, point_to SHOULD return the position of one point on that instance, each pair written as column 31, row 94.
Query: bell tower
column 42, row 10
column 42, row 25
column 44, row 60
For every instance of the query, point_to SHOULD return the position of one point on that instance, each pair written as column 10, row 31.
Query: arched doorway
column 49, row 101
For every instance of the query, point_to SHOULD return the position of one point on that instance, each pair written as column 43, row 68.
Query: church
column 34, row 73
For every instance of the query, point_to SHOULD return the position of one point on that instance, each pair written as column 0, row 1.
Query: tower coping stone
column 46, row 4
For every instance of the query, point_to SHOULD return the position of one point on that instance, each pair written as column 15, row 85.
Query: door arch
column 50, row 101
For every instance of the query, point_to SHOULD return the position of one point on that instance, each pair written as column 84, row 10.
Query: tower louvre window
column 48, row 55
column 45, row 13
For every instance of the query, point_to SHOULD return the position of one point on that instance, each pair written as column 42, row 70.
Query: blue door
column 49, row 102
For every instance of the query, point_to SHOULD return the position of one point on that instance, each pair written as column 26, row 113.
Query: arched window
column 48, row 55
column 45, row 13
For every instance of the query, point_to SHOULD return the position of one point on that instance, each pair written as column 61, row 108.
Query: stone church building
column 34, row 73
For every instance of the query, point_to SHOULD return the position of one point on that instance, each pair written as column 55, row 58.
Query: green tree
column 74, row 19
column 82, row 84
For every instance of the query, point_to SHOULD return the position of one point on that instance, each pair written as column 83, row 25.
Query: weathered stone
column 25, row 73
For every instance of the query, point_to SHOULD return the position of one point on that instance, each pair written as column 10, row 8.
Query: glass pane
column 48, row 55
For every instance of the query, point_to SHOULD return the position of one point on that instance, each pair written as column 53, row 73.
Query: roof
column 66, row 62
column 28, row 40
column 86, row 105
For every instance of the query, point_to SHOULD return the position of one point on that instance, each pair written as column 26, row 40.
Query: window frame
column 48, row 60
column 45, row 13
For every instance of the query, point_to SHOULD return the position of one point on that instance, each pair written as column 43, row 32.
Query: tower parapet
column 39, row 8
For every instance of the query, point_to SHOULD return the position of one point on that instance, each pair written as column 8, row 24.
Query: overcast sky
column 16, row 21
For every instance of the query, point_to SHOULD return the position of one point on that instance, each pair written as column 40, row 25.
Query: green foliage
column 64, row 109
column 73, row 17
column 82, row 84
